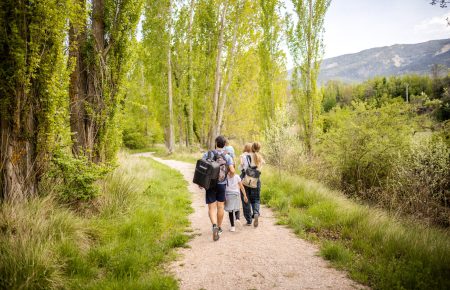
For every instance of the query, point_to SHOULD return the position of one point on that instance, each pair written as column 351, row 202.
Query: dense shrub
column 420, row 184
column 282, row 147
column 135, row 139
column 363, row 143
column 75, row 178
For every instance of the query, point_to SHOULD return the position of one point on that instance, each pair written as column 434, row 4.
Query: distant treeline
column 411, row 88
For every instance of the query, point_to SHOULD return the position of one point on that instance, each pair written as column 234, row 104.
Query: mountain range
column 398, row 59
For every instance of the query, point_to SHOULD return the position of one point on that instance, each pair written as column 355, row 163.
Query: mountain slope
column 397, row 59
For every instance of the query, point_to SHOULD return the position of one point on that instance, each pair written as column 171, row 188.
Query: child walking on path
column 233, row 200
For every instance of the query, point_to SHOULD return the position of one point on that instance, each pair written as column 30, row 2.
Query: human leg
column 212, row 212
column 231, row 216
column 220, row 196
column 246, row 207
column 220, row 213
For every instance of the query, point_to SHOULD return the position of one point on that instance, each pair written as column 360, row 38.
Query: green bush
column 363, row 144
column 78, row 176
column 135, row 139
column 422, row 181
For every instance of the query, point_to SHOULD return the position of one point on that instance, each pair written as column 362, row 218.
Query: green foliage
column 78, row 177
column 121, row 240
column 377, row 250
column 363, row 144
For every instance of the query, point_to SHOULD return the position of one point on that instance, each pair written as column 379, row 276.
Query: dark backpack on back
column 210, row 171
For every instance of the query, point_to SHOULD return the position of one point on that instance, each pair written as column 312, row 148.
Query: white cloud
column 434, row 27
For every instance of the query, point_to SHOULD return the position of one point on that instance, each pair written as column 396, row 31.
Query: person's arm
column 243, row 191
column 230, row 164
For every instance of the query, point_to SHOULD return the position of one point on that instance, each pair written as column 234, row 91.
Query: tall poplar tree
column 305, row 40
column 269, row 56
column 100, row 53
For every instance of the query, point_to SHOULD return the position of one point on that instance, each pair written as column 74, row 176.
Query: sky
column 355, row 25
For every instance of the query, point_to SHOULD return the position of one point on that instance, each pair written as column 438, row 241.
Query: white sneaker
column 233, row 229
column 238, row 224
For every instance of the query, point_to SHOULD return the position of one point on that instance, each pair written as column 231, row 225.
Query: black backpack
column 210, row 171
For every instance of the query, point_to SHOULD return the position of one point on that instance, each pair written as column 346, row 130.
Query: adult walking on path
column 215, row 196
column 271, row 257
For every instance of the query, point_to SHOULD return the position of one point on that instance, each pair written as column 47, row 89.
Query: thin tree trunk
column 218, row 79
column 309, row 96
column 229, row 73
column 169, row 86
column 190, row 108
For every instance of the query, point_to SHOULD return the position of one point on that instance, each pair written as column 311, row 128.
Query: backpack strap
column 249, row 158
column 210, row 155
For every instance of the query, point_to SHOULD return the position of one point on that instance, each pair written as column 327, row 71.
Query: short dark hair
column 220, row 141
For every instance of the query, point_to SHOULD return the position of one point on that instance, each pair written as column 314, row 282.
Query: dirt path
column 267, row 257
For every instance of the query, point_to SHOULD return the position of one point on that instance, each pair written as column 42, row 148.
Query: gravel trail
column 267, row 257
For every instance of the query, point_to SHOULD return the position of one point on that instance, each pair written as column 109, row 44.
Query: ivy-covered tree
column 32, row 88
column 100, row 54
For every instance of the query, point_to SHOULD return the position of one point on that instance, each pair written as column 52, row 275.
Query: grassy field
column 121, row 241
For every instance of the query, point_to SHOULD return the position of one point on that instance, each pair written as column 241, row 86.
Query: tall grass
column 376, row 249
column 121, row 242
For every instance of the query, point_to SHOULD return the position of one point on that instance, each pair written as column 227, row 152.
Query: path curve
column 267, row 257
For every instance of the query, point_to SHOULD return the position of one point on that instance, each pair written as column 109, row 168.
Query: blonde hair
column 247, row 147
column 258, row 158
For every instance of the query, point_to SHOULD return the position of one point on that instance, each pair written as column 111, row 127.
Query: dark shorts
column 216, row 193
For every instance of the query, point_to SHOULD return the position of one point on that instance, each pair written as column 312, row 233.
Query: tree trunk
column 85, row 89
column 218, row 79
column 229, row 74
column 19, row 107
column 190, row 106
column 19, row 166
column 309, row 93
column 171, row 142
column 77, row 91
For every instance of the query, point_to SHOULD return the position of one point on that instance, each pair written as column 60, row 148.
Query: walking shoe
column 220, row 231
column 215, row 233
column 238, row 224
column 255, row 221
column 233, row 229
column 248, row 224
